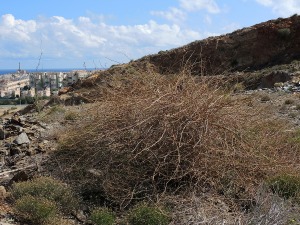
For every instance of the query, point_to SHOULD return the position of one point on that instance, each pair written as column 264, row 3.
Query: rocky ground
column 26, row 141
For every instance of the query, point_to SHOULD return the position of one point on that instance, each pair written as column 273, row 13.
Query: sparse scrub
column 292, row 115
column 102, row 216
column 47, row 188
column 270, row 209
column 289, row 101
column 239, row 87
column 148, row 215
column 286, row 186
column 295, row 137
column 71, row 116
column 36, row 210
column 56, row 109
column 265, row 98
column 284, row 33
column 153, row 135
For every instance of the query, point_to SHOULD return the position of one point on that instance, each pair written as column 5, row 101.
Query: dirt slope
column 262, row 45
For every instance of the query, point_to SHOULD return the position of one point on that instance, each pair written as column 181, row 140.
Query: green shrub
column 265, row 98
column 147, row 215
column 56, row 109
column 286, row 186
column 295, row 137
column 284, row 33
column 36, row 210
column 71, row 116
column 102, row 216
column 289, row 101
column 239, row 87
column 48, row 188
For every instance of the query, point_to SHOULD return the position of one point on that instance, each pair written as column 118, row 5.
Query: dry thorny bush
column 152, row 135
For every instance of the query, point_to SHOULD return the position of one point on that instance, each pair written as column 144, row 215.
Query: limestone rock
column 22, row 139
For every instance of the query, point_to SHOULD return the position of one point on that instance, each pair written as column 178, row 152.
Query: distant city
column 46, row 82
column 11, row 71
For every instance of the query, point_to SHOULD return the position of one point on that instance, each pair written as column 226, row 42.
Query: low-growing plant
column 148, row 215
column 295, row 137
column 289, row 101
column 102, row 216
column 56, row 109
column 284, row 33
column 48, row 188
column 239, row 87
column 265, row 98
column 71, row 116
column 36, row 210
column 285, row 185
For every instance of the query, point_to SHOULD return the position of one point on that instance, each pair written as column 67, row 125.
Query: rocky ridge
column 270, row 43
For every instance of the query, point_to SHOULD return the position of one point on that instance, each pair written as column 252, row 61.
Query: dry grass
column 151, row 135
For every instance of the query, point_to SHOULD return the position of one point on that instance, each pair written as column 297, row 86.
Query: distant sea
column 8, row 71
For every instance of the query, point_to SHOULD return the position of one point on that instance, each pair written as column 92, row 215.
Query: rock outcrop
column 23, row 148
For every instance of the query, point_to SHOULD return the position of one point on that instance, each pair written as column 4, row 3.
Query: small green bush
column 36, row 210
column 265, row 98
column 56, row 109
column 239, row 87
column 71, row 116
column 284, row 33
column 103, row 216
column 289, row 101
column 295, row 137
column 48, row 188
column 286, row 186
column 147, row 215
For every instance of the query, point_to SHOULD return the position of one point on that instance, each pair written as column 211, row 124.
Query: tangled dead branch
column 150, row 136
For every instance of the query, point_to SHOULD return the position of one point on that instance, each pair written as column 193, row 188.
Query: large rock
column 22, row 139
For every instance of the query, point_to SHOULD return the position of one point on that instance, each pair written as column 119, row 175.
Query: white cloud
column 85, row 38
column 173, row 14
column 282, row 7
column 194, row 5
column 19, row 30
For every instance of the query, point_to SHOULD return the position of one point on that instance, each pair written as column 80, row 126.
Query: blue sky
column 100, row 33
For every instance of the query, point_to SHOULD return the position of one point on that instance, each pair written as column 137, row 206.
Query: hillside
column 250, row 56
column 155, row 142
column 266, row 44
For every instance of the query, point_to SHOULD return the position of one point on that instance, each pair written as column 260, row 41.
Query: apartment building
column 12, row 87
column 38, row 83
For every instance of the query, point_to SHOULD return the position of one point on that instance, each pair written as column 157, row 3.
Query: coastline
column 13, row 71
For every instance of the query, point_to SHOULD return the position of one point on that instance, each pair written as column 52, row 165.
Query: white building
column 12, row 86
